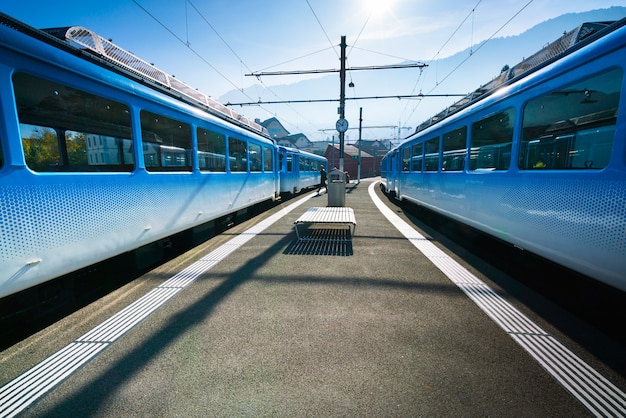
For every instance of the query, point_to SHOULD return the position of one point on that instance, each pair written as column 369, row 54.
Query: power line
column 188, row 45
column 334, row 70
column 479, row 46
column 397, row 96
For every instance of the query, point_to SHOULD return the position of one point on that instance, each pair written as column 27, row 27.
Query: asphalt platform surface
column 278, row 329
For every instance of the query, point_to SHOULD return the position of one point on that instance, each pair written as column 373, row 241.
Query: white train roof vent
column 87, row 39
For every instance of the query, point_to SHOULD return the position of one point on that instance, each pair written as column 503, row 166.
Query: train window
column 166, row 143
column 237, row 155
column 41, row 147
column 65, row 129
column 573, row 127
column 211, row 151
column 454, row 150
column 254, row 152
column 418, row 157
column 490, row 147
column 406, row 158
column 431, row 154
column 268, row 159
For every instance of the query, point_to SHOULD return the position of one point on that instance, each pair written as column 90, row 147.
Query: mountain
column 460, row 73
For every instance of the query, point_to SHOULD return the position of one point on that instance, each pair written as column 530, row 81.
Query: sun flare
column 377, row 8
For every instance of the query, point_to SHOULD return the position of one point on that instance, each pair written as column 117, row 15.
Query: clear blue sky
column 212, row 44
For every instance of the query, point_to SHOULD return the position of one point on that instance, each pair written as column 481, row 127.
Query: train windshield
column 572, row 127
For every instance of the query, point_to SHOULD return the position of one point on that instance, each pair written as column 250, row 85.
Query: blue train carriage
column 388, row 171
column 538, row 161
column 299, row 170
column 101, row 153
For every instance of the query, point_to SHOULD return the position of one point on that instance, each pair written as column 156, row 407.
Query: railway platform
column 255, row 322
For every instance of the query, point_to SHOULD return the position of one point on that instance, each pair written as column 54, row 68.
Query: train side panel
column 299, row 170
column 541, row 164
column 93, row 165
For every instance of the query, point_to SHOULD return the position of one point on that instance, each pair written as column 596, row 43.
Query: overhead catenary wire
column 187, row 44
column 241, row 61
column 471, row 13
column 397, row 96
column 333, row 46
column 476, row 50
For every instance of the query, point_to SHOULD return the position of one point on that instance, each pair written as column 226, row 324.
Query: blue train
column 102, row 153
column 536, row 157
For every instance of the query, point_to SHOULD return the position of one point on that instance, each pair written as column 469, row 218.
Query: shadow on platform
column 322, row 241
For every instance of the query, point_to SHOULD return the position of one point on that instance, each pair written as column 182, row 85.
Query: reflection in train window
column 406, row 158
column 268, row 160
column 431, row 154
column 490, row 147
column 166, row 143
column 454, row 150
column 417, row 158
column 211, row 150
column 254, row 154
column 41, row 147
column 237, row 155
column 65, row 129
column 573, row 127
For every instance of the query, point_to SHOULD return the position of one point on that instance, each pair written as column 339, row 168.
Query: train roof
column 93, row 47
column 566, row 44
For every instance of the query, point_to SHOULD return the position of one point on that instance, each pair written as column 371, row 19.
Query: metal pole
column 342, row 98
column 358, row 177
column 333, row 157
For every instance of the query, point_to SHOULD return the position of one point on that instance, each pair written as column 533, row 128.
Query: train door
column 276, row 169
column 287, row 173
column 392, row 177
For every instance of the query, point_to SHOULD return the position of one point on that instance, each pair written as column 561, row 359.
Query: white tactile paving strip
column 25, row 389
column 596, row 393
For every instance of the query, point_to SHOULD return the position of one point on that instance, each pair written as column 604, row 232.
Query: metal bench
column 339, row 219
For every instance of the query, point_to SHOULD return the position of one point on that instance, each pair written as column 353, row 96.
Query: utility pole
column 333, row 158
column 342, row 123
column 358, row 176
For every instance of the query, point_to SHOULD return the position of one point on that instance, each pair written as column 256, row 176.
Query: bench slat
column 327, row 215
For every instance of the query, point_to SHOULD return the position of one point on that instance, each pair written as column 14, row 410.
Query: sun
column 377, row 8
